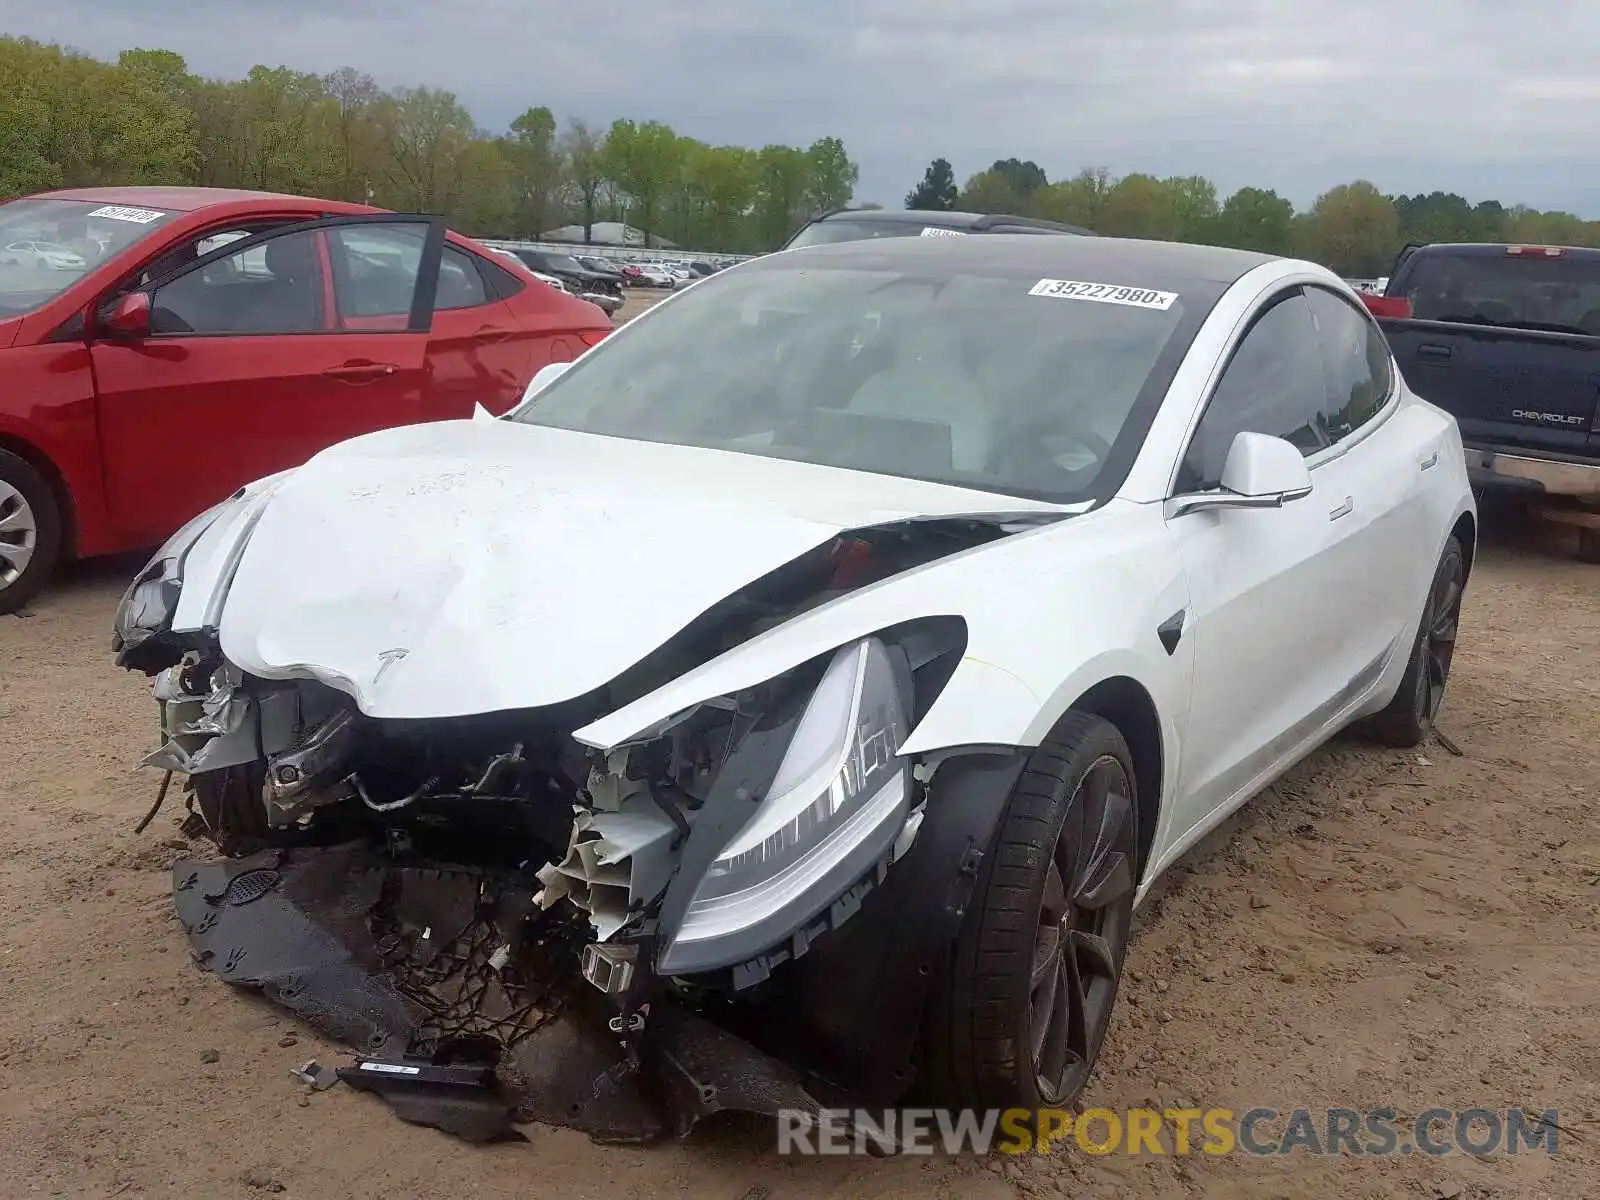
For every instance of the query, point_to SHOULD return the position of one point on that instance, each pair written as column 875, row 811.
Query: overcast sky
column 1487, row 99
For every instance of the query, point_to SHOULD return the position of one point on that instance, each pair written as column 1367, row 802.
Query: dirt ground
column 1382, row 928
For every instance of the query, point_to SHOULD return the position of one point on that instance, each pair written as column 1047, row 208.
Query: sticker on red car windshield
column 1104, row 293
column 118, row 212
column 935, row 231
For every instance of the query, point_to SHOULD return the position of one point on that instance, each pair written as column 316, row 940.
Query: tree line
column 1354, row 228
column 70, row 120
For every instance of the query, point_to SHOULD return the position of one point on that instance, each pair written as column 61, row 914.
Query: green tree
column 1257, row 219
column 355, row 100
column 782, row 177
column 833, row 176
column 1353, row 229
column 535, row 172
column 426, row 134
column 1079, row 201
column 988, row 192
column 644, row 160
column 937, row 190
column 583, row 153
column 1023, row 178
column 1142, row 206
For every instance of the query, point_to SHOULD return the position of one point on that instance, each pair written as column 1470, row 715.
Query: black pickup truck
column 1507, row 339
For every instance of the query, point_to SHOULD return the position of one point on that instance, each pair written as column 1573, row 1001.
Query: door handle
column 1344, row 510
column 1436, row 351
column 1430, row 462
column 360, row 372
column 492, row 333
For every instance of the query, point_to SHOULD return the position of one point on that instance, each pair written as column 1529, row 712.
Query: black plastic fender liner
column 856, row 999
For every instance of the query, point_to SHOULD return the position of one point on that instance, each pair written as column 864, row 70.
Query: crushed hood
column 472, row 566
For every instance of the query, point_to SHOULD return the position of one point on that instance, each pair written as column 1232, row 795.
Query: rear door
column 260, row 354
column 1507, row 339
column 478, row 352
column 1373, row 486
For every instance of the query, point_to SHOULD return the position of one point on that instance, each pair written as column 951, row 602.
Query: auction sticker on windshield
column 1103, row 293
column 935, row 231
column 117, row 212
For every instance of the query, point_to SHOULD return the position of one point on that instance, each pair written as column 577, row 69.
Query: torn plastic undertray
column 394, row 961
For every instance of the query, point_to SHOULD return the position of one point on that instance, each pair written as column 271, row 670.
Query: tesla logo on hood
column 387, row 659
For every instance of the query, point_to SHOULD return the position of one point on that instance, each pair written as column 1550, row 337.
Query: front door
column 257, row 358
column 1266, row 609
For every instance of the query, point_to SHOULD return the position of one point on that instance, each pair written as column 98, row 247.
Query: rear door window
column 376, row 269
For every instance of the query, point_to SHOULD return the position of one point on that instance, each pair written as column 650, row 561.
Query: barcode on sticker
column 935, row 231
column 1104, row 293
column 390, row 1068
column 139, row 216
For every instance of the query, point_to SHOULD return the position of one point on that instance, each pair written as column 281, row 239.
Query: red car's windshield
column 47, row 245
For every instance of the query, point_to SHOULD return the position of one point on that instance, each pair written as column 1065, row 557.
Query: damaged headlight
column 148, row 604
column 836, row 804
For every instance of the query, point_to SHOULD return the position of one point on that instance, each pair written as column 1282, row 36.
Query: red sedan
column 163, row 346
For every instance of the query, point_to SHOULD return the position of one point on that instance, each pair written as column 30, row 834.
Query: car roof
column 946, row 219
column 1094, row 259
column 192, row 199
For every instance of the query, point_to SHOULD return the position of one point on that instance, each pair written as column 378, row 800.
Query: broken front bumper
column 411, row 967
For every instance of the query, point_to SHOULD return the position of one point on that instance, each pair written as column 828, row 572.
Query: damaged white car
column 788, row 703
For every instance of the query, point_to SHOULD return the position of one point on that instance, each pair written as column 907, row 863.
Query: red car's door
column 261, row 354
column 478, row 350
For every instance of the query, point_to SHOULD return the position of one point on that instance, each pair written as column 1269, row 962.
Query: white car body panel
column 555, row 560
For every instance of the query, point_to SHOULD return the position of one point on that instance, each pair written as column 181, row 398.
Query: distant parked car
column 221, row 336
column 657, row 275
column 595, row 286
column 48, row 255
column 862, row 224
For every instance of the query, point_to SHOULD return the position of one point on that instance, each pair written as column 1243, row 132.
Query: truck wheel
column 1410, row 714
column 30, row 531
column 1022, row 1006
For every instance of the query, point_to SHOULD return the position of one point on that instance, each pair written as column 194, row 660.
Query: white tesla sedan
column 849, row 641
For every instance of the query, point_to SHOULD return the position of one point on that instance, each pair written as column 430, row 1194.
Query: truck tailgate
column 1505, row 387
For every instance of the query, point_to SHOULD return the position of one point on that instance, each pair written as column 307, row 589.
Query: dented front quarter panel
column 209, row 565
column 1049, row 613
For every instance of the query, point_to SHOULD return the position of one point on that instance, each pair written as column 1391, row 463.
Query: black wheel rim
column 1436, row 643
column 1084, row 914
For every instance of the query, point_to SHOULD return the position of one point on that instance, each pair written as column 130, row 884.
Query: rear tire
column 30, row 531
column 1020, row 1010
column 230, row 804
column 1410, row 715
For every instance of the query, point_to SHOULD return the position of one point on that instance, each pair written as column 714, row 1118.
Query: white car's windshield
column 960, row 378
column 50, row 244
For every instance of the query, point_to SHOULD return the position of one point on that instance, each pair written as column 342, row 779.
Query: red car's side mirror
column 130, row 316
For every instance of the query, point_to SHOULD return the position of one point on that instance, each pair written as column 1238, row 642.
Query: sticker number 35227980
column 1103, row 293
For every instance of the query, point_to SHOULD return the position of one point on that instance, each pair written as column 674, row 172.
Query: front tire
column 230, row 804
column 1021, row 1010
column 30, row 531
column 1410, row 715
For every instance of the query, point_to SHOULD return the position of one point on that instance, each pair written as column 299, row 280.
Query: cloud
column 1297, row 95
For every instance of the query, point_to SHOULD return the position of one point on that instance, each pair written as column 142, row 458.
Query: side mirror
column 543, row 378
column 1260, row 472
column 129, row 317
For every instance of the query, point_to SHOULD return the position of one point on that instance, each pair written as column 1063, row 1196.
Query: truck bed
column 1516, row 390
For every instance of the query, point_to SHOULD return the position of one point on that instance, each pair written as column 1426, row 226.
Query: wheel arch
column 55, row 480
column 1465, row 531
column 1128, row 705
